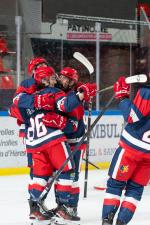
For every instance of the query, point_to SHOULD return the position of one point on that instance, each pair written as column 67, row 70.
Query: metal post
column 98, row 29
column 62, row 52
column 130, row 49
column 18, row 22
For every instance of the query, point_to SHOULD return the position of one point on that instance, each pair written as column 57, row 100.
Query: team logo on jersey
column 124, row 169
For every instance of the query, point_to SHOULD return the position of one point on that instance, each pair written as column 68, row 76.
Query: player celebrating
column 46, row 141
column 130, row 166
column 68, row 81
column 29, row 86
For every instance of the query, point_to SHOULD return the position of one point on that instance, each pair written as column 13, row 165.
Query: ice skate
column 109, row 219
column 37, row 214
column 120, row 223
column 65, row 216
column 106, row 222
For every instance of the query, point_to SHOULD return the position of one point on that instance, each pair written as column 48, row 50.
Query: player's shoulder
column 28, row 82
column 145, row 92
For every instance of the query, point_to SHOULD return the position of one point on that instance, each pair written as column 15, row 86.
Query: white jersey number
column 36, row 126
column 146, row 136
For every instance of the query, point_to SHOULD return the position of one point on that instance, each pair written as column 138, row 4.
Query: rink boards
column 103, row 142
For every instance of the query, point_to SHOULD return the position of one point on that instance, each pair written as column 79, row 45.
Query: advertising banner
column 12, row 152
column 103, row 141
column 104, row 137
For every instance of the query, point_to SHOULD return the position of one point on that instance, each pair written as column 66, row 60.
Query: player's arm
column 54, row 120
column 22, row 107
column 66, row 103
column 27, row 86
column 134, row 110
column 73, row 99
column 122, row 91
column 141, row 105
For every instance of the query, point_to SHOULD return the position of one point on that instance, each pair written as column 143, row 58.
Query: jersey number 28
column 37, row 127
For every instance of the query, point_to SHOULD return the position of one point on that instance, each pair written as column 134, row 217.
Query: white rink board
column 103, row 141
column 104, row 137
column 12, row 152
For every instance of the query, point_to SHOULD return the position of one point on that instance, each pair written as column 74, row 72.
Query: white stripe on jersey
column 135, row 141
column 65, row 182
column 134, row 116
column 42, row 139
column 75, row 184
column 41, row 181
column 111, row 196
column 22, row 126
column 118, row 163
column 60, row 103
column 131, row 200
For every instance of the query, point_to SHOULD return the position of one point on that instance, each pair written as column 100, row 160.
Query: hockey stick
column 45, row 192
column 87, row 149
column 81, row 58
column 92, row 164
column 139, row 78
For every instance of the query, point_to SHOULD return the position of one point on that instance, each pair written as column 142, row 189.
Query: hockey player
column 48, row 139
column 29, row 86
column 130, row 166
column 68, row 81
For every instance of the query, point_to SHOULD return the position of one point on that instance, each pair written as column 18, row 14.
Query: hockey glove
column 89, row 90
column 121, row 89
column 45, row 101
column 54, row 120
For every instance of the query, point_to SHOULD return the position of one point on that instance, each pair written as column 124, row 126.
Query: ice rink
column 14, row 205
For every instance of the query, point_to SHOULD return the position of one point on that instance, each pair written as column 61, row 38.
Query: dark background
column 120, row 9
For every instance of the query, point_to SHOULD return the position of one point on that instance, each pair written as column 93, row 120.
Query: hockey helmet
column 70, row 73
column 35, row 62
column 43, row 72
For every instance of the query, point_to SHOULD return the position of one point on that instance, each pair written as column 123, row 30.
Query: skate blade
column 40, row 222
column 60, row 221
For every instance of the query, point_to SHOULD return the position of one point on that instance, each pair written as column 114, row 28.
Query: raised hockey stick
column 81, row 58
column 87, row 149
column 139, row 78
column 45, row 192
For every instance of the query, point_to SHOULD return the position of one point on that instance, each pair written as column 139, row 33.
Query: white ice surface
column 14, row 206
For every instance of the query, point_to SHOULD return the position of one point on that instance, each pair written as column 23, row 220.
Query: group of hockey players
column 49, row 110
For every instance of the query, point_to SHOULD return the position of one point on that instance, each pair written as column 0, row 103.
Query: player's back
column 38, row 136
column 137, row 131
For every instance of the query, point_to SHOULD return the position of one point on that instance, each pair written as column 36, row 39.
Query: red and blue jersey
column 76, row 115
column 37, row 135
column 136, row 134
column 27, row 86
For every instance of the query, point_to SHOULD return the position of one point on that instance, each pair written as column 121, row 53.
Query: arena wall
column 103, row 142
